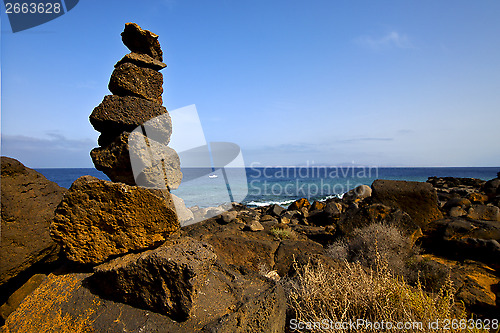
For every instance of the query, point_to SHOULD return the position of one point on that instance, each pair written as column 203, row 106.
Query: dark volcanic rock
column 141, row 60
column 460, row 238
column 141, row 41
column 165, row 280
column 475, row 283
column 238, row 250
column 118, row 114
column 377, row 213
column 457, row 202
column 227, row 302
column 290, row 250
column 298, row 204
column 98, row 219
column 114, row 161
column 317, row 205
column 483, row 212
column 361, row 192
column 417, row 199
column 275, row 210
column 491, row 187
column 449, row 182
column 131, row 80
column 28, row 204
column 330, row 214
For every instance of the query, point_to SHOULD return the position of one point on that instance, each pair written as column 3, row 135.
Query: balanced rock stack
column 97, row 219
column 133, row 122
column 129, row 231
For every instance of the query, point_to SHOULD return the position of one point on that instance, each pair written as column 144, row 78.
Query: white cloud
column 392, row 40
column 53, row 151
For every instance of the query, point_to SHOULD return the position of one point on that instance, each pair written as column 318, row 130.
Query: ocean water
column 281, row 185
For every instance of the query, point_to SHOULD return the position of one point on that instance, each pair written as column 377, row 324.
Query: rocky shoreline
column 112, row 256
column 223, row 274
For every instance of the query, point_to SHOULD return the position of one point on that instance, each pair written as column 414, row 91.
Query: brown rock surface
column 476, row 284
column 17, row 297
column 459, row 238
column 141, row 41
column 114, row 161
column 417, row 199
column 28, row 204
column 165, row 280
column 98, row 219
column 131, row 80
column 227, row 302
column 483, row 212
column 118, row 114
column 378, row 213
column 298, row 204
column 141, row 60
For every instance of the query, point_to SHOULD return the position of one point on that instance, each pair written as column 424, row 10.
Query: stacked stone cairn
column 100, row 220
column 134, row 110
column 122, row 238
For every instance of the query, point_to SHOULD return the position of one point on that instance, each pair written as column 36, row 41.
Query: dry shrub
column 365, row 244
column 282, row 234
column 350, row 291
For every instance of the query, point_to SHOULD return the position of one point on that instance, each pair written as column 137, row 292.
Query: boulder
column 268, row 218
column 115, row 161
column 483, row 212
column 28, row 202
column 457, row 202
column 298, row 204
column 275, row 210
column 378, row 213
column 141, row 60
column 329, row 215
column 241, row 251
column 477, row 198
column 131, row 80
column 317, row 205
column 98, row 219
column 457, row 211
column 475, row 283
column 359, row 193
column 165, row 280
column 118, row 114
column 458, row 238
column 254, row 226
column 322, row 235
column 141, row 41
column 228, row 217
column 491, row 187
column 298, row 250
column 417, row 199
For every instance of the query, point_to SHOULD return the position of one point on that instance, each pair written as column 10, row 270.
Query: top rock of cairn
column 143, row 41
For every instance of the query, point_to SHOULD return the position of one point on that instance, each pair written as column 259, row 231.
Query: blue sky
column 388, row 83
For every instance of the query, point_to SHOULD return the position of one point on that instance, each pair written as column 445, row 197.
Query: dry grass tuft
column 282, row 234
column 350, row 291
